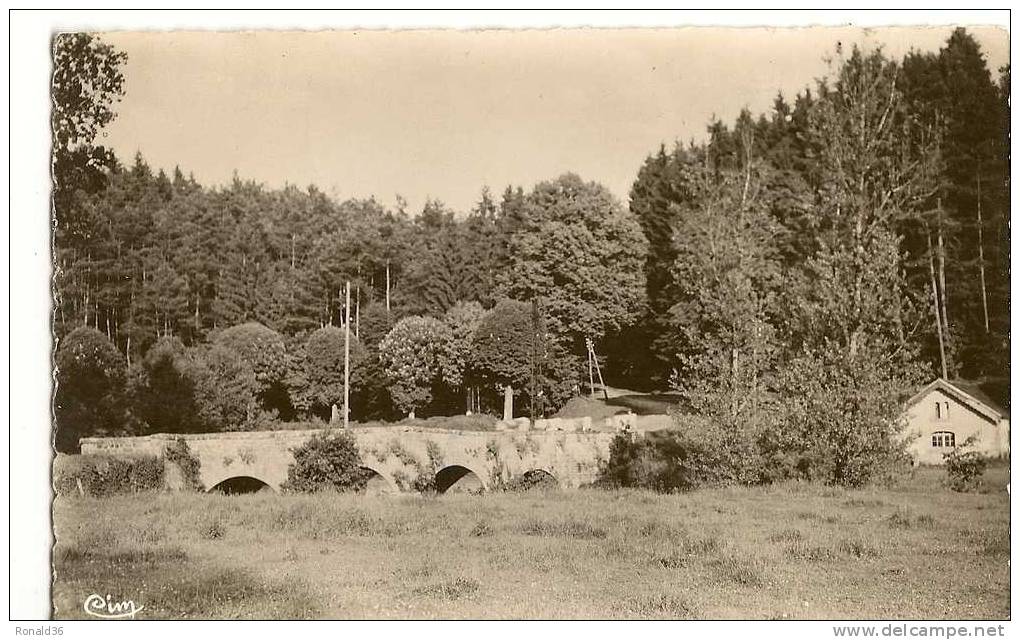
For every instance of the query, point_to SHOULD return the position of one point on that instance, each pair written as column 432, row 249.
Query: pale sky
column 442, row 113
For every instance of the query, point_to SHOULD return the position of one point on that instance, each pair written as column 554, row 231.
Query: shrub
column 965, row 468
column 101, row 475
column 664, row 461
column 536, row 479
column 179, row 453
column 839, row 422
column 328, row 461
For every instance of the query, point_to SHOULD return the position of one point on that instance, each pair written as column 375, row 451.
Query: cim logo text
column 99, row 607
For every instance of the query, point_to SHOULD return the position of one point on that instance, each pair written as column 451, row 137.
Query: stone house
column 943, row 415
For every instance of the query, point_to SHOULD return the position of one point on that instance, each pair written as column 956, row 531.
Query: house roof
column 965, row 392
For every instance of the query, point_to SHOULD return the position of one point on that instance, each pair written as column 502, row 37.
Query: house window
column 943, row 439
column 941, row 410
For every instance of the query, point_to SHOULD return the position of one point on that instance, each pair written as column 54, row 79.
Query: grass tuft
column 787, row 535
column 745, row 571
column 449, row 589
column 212, row 530
column 580, row 529
column 857, row 548
column 664, row 605
column 799, row 550
column 482, row 529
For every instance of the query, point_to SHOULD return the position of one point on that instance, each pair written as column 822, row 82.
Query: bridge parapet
column 400, row 455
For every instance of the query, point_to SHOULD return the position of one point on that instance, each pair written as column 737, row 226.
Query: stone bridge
column 398, row 456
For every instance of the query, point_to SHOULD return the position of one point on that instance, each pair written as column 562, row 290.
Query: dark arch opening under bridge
column 457, row 478
column 238, row 485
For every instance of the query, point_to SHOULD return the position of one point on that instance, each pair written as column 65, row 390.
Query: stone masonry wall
column 398, row 454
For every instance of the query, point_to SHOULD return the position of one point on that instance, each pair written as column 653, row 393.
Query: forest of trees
column 791, row 277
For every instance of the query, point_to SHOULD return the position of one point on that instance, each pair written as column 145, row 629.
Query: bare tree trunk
column 942, row 283
column 734, row 372
column 981, row 253
column 387, row 285
column 935, row 306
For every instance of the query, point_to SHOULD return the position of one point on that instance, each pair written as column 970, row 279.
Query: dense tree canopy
column 579, row 252
column 791, row 275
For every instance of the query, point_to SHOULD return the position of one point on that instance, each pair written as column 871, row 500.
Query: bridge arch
column 535, row 479
column 378, row 482
column 235, row 485
column 455, row 478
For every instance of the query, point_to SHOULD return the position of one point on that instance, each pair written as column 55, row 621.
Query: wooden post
column 598, row 370
column 508, row 403
column 347, row 356
column 591, row 376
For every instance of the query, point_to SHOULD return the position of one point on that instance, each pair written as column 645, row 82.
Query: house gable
column 963, row 398
column 941, row 417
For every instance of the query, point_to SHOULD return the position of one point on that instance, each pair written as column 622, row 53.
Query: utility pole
column 357, row 313
column 533, row 391
column 347, row 356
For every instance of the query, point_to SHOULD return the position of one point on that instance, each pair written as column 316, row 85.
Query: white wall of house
column 936, row 414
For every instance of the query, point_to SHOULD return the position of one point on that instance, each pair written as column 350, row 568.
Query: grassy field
column 793, row 551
